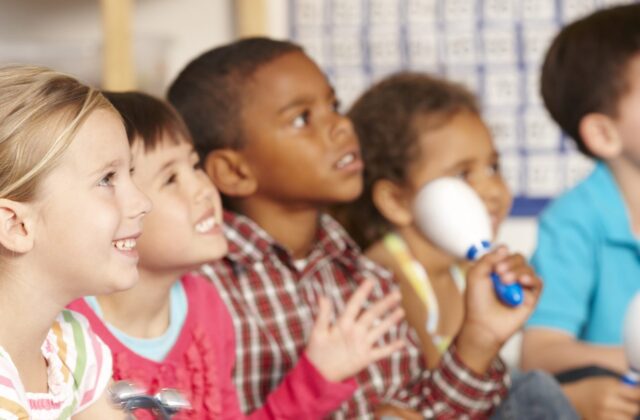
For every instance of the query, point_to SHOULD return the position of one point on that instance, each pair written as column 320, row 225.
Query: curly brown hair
column 388, row 119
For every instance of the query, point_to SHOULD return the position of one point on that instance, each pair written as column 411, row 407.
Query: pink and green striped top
column 78, row 367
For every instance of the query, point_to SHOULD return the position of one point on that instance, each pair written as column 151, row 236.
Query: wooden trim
column 251, row 18
column 118, row 63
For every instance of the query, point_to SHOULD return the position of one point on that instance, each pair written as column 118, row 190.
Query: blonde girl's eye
column 171, row 179
column 301, row 120
column 107, row 180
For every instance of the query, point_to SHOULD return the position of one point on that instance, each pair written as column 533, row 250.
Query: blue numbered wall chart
column 495, row 47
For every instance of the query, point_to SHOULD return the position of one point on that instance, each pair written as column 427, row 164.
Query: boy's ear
column 600, row 135
column 392, row 202
column 16, row 233
column 230, row 173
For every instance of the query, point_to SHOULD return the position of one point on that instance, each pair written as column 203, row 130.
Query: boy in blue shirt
column 588, row 249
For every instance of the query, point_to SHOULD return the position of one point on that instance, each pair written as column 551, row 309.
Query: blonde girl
column 69, row 219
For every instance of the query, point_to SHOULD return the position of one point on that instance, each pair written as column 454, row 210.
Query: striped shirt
column 78, row 368
column 273, row 304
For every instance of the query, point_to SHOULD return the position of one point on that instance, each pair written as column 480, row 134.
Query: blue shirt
column 589, row 261
column 158, row 347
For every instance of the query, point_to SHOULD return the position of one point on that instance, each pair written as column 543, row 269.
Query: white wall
column 519, row 234
column 193, row 26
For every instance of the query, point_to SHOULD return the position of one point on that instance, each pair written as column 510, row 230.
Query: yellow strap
column 14, row 408
column 419, row 280
column 417, row 276
column 459, row 277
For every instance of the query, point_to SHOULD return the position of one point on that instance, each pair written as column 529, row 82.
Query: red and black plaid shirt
column 273, row 305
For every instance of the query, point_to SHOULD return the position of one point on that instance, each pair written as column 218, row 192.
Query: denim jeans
column 535, row 396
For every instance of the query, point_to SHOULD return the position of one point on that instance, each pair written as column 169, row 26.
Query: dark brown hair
column 585, row 69
column 210, row 90
column 388, row 119
column 147, row 118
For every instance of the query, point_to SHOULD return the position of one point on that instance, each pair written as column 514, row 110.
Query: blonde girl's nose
column 139, row 203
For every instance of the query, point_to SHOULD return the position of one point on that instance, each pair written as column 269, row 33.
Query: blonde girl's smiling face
column 184, row 229
column 90, row 213
column 461, row 146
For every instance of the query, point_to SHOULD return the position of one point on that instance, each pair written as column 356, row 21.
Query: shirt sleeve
column 13, row 402
column 452, row 390
column 90, row 363
column 564, row 259
column 303, row 393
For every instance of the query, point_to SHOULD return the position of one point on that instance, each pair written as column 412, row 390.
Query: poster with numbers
column 495, row 47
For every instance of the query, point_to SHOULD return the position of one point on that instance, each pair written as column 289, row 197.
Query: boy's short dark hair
column 147, row 118
column 388, row 119
column 210, row 89
column 585, row 69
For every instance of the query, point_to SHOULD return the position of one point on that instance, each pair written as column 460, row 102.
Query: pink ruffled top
column 200, row 365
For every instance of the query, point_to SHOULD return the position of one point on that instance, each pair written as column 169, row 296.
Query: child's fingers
column 511, row 263
column 629, row 393
column 513, row 270
column 532, row 287
column 354, row 305
column 624, row 404
column 485, row 265
column 384, row 326
column 532, row 284
column 516, row 268
column 325, row 312
column 378, row 309
column 500, row 252
column 530, row 280
column 382, row 352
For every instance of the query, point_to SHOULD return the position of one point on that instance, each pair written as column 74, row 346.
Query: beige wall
column 191, row 26
column 69, row 29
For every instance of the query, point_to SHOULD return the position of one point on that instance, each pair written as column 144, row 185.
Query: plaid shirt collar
column 250, row 244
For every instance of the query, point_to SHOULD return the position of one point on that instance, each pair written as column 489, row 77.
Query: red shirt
column 200, row 366
column 274, row 304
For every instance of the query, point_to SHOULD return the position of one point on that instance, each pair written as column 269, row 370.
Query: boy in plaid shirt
column 266, row 124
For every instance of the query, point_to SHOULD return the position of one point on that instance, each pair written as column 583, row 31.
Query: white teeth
column 345, row 160
column 125, row 244
column 205, row 225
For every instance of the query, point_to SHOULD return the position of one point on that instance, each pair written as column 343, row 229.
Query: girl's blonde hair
column 40, row 113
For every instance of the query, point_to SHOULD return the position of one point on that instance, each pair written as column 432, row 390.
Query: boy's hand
column 344, row 348
column 488, row 322
column 600, row 398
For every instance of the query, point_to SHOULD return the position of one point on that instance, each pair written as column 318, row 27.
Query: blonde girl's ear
column 230, row 173
column 16, row 226
column 393, row 202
